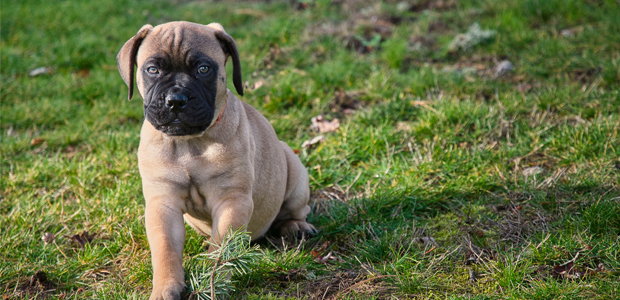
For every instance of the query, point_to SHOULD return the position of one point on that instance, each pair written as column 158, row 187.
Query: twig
column 217, row 260
column 327, row 289
column 431, row 249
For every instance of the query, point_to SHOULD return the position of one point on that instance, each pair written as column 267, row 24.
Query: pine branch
column 210, row 274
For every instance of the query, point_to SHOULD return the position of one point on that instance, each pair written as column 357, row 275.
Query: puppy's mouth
column 179, row 114
column 177, row 128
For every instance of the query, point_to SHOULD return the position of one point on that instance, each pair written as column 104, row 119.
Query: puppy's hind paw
column 297, row 229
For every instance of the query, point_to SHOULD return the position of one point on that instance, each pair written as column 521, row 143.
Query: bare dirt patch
column 37, row 286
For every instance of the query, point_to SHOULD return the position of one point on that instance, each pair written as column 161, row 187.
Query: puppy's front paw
column 168, row 291
column 296, row 229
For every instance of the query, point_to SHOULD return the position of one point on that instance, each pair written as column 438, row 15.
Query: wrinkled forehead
column 181, row 42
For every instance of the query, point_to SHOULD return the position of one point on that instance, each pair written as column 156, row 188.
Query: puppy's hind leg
column 291, row 219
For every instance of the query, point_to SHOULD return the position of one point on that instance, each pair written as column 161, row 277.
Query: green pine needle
column 210, row 275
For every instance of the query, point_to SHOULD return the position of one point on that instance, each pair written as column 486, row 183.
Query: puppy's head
column 181, row 74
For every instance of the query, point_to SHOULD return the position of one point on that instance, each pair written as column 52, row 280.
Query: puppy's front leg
column 166, row 234
column 232, row 212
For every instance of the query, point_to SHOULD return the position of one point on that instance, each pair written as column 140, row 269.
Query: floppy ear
column 126, row 58
column 230, row 48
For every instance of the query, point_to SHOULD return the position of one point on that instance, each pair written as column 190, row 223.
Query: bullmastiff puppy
column 205, row 156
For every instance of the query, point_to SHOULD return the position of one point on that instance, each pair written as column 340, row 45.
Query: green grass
column 442, row 169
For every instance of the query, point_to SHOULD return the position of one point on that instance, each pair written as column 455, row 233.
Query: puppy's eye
column 152, row 70
column 203, row 69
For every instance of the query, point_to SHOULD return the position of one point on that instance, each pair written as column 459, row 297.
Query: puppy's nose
column 176, row 101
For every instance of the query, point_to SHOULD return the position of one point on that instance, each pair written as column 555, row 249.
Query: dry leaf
column 345, row 102
column 48, row 237
column 527, row 172
column 569, row 271
column 328, row 257
column 256, row 85
column 315, row 253
column 317, row 139
column 83, row 73
column 320, row 124
column 36, row 141
column 82, row 239
column 524, row 87
column 423, row 104
column 70, row 151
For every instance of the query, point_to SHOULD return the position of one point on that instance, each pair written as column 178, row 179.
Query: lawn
column 476, row 154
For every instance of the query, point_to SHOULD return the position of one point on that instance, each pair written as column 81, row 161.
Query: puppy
column 205, row 156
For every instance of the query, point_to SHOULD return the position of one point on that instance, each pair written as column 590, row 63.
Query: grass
column 444, row 181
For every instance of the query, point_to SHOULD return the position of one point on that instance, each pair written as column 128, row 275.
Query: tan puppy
column 205, row 156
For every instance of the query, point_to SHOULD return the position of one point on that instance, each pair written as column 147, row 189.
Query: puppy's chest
column 206, row 176
column 196, row 203
column 202, row 174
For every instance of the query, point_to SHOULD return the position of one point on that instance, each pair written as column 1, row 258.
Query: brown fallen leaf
column 316, row 253
column 84, row 73
column 70, row 151
column 82, row 239
column 345, row 102
column 36, row 141
column 320, row 124
column 48, row 237
column 569, row 271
